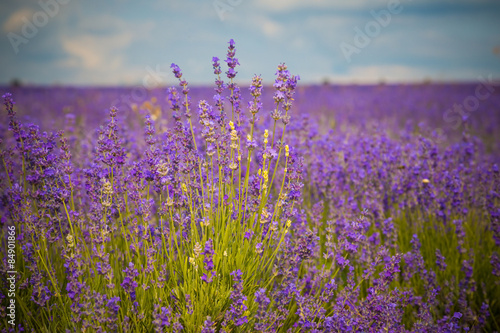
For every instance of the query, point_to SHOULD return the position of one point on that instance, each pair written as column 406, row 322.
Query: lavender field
column 251, row 207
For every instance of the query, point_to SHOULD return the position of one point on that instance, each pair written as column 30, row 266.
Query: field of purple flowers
column 238, row 208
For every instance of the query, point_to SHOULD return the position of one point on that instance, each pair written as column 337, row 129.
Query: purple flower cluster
column 129, row 284
column 231, row 60
column 237, row 310
column 353, row 217
column 208, row 262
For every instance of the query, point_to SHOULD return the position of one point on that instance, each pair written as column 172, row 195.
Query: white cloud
column 281, row 5
column 331, row 28
column 98, row 49
column 263, row 23
column 388, row 73
column 15, row 20
column 269, row 27
column 375, row 74
column 396, row 74
column 95, row 52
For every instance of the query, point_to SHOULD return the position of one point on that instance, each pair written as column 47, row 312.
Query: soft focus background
column 121, row 42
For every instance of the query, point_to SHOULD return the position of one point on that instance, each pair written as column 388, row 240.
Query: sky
column 127, row 42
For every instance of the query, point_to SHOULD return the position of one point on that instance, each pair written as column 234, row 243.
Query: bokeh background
column 120, row 42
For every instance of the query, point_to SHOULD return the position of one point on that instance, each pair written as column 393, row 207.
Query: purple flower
column 176, row 70
column 216, row 65
column 209, row 253
column 129, row 284
column 440, row 260
column 460, row 232
column 231, row 61
column 208, row 326
column 208, row 277
column 248, row 234
column 495, row 263
column 238, row 306
column 112, row 304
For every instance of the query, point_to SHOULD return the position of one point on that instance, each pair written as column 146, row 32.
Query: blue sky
column 96, row 42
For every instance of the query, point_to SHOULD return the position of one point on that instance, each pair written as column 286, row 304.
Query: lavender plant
column 230, row 217
column 154, row 241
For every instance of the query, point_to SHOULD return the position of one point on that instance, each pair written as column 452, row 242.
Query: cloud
column 288, row 5
column 15, row 20
column 280, row 5
column 269, row 27
column 371, row 74
column 98, row 50
column 95, row 52
column 375, row 74
column 98, row 45
column 388, row 73
column 332, row 28
column 114, row 42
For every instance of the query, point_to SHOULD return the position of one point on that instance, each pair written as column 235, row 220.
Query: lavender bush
column 232, row 216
